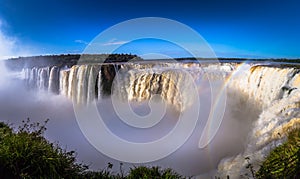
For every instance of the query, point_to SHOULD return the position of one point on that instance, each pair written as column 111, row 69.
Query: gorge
column 262, row 106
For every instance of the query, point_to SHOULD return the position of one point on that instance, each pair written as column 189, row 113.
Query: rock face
column 273, row 90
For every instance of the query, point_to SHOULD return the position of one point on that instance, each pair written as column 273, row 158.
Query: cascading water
column 44, row 79
column 83, row 83
column 276, row 90
column 54, row 80
column 272, row 91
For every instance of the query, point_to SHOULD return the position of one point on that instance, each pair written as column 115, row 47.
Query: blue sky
column 233, row 28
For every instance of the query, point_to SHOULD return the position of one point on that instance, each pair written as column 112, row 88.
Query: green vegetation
column 154, row 172
column 284, row 160
column 136, row 172
column 61, row 61
column 25, row 153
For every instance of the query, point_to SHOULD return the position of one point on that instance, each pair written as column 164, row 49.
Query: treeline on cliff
column 17, row 64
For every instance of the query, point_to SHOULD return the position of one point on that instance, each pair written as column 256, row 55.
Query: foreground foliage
column 154, row 172
column 284, row 160
column 27, row 154
column 136, row 172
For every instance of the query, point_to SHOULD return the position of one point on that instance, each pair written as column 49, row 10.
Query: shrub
column 153, row 172
column 141, row 172
column 27, row 154
column 106, row 173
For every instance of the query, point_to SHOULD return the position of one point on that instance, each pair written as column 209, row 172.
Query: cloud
column 109, row 43
column 81, row 42
column 226, row 51
column 6, row 44
column 115, row 42
column 10, row 46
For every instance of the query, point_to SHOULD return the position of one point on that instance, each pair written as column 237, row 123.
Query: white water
column 276, row 93
column 262, row 102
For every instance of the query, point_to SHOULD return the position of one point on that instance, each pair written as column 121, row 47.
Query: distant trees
column 17, row 64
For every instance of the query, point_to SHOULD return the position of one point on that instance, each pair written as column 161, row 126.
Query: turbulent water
column 264, row 98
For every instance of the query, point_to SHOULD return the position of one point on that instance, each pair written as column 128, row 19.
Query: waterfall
column 91, row 90
column 274, row 90
column 277, row 91
column 64, row 82
column 265, row 84
column 137, row 82
column 72, row 82
column 54, row 80
column 82, row 84
column 140, row 85
column 43, row 79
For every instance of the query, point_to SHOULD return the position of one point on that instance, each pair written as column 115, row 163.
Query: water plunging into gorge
column 262, row 101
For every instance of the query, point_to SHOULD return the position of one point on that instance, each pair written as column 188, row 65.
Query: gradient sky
column 234, row 28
